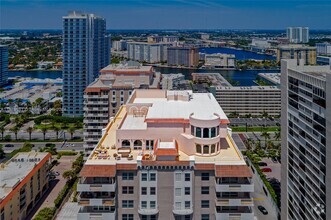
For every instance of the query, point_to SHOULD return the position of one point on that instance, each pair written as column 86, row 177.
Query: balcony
column 88, row 185
column 88, row 213
column 242, row 213
column 182, row 211
column 148, row 211
column 238, row 185
column 96, row 202
column 234, row 202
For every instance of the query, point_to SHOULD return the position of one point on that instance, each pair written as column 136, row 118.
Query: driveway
column 56, row 185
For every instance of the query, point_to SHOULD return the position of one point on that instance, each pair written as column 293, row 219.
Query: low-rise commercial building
column 104, row 97
column 183, row 56
column 166, row 155
column 297, row 51
column 23, row 181
column 220, row 61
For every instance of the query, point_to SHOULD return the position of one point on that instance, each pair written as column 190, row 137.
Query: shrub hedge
column 45, row 214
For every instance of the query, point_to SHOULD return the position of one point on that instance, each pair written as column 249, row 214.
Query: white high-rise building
column 306, row 143
column 86, row 50
column 298, row 34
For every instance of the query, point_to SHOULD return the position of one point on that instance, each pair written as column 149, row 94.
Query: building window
column 152, row 191
column 127, row 216
column 213, row 132
column 205, row 176
column 178, row 176
column 198, row 132
column 178, row 205
column 152, row 177
column 152, row 204
column 143, row 190
column 127, row 176
column 187, row 177
column 212, row 149
column 187, row 204
column 127, row 190
column 178, row 191
column 187, row 191
column 127, row 204
column 204, row 203
column 144, row 177
column 206, row 133
column 144, row 204
column 205, row 149
column 198, row 148
column 205, row 190
column 205, row 217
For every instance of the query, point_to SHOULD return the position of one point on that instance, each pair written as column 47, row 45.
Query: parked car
column 266, row 170
column 263, row 164
column 263, row 210
column 9, row 145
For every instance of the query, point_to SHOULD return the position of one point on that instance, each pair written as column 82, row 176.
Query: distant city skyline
column 170, row 14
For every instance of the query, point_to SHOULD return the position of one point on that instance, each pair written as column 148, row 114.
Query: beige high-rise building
column 23, row 181
column 104, row 97
column 167, row 155
column 297, row 51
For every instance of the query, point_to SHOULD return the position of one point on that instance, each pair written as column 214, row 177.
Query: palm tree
column 69, row 174
column 30, row 130
column 266, row 136
column 71, row 130
column 265, row 115
column 57, row 129
column 44, row 129
column 15, row 130
column 2, row 130
column 277, row 135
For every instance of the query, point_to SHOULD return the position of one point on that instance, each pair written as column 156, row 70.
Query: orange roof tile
column 204, row 166
column 126, row 166
column 233, row 171
column 164, row 163
column 98, row 171
column 166, row 152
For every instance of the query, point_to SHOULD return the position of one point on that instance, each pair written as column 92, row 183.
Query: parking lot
column 254, row 122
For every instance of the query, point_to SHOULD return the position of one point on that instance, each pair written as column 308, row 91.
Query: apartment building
column 172, row 81
column 86, row 49
column 297, row 51
column 298, row 34
column 148, row 52
column 119, row 45
column 3, row 64
column 306, row 132
column 220, row 61
column 104, row 97
column 23, row 181
column 243, row 100
column 183, row 56
column 323, row 49
column 164, row 39
column 166, row 155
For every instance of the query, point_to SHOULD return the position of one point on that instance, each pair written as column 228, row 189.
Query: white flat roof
column 203, row 105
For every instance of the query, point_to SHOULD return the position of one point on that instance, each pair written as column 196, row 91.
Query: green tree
column 30, row 130
column 266, row 136
column 15, row 130
column 2, row 130
column 71, row 130
column 69, row 174
column 2, row 153
column 44, row 129
column 57, row 129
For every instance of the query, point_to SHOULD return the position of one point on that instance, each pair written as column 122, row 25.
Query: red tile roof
column 98, row 171
column 126, row 166
column 233, row 171
column 204, row 166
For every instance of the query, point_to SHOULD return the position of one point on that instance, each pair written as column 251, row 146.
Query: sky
column 170, row 14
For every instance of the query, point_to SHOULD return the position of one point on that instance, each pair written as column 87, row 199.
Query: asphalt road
column 78, row 146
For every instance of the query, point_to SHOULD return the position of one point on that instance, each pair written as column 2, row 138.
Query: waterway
column 240, row 54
